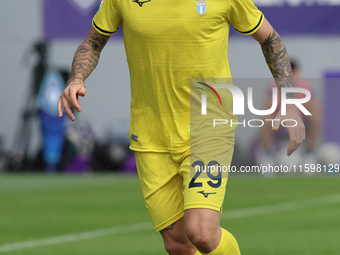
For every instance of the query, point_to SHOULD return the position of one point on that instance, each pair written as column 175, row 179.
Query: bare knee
column 201, row 241
column 203, row 230
column 204, row 240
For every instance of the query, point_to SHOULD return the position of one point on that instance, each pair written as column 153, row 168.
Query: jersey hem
column 169, row 149
column 160, row 149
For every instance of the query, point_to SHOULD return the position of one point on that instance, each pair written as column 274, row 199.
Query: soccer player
column 167, row 43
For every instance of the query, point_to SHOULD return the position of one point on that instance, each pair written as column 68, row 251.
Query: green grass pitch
column 35, row 207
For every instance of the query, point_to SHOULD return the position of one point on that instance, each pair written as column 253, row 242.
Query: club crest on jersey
column 201, row 7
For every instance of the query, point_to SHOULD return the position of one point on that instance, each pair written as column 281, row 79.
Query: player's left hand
column 297, row 134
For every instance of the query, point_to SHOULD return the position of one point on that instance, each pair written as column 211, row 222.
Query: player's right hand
column 69, row 98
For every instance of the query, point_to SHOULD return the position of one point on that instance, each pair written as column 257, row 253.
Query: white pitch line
column 76, row 236
column 233, row 214
column 282, row 207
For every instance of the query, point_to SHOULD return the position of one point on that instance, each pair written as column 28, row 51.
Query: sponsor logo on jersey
column 205, row 194
column 140, row 3
column 201, row 7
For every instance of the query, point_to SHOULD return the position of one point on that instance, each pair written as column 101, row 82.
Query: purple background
column 63, row 21
column 331, row 119
column 304, row 19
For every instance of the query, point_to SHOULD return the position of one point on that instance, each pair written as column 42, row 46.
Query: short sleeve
column 108, row 18
column 244, row 16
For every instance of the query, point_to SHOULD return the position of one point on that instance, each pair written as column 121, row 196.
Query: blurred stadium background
column 90, row 207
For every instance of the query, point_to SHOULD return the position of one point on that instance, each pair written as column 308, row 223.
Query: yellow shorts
column 174, row 182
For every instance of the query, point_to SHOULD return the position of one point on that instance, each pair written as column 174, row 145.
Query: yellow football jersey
column 168, row 42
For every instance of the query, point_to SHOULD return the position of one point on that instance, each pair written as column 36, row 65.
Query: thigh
column 162, row 188
column 205, row 175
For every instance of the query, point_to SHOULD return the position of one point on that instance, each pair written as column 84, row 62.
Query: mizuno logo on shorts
column 205, row 194
column 140, row 3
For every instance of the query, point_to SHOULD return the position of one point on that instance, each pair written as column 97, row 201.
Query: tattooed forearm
column 87, row 56
column 276, row 55
column 84, row 62
column 96, row 42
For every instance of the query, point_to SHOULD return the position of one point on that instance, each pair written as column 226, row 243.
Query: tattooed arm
column 275, row 53
column 85, row 61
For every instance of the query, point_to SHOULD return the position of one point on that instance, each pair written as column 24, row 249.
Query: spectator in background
column 270, row 149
